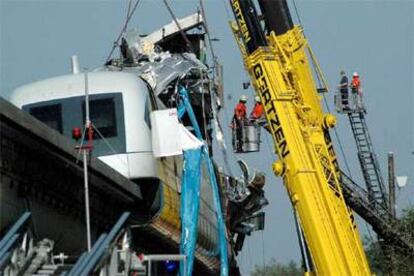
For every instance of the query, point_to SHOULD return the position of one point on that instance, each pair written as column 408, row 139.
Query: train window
column 50, row 115
column 102, row 114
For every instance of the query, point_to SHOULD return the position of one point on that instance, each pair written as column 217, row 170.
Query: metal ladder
column 371, row 204
column 368, row 161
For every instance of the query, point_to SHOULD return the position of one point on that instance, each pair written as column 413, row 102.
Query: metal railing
column 16, row 242
column 246, row 138
column 104, row 248
column 159, row 258
column 349, row 102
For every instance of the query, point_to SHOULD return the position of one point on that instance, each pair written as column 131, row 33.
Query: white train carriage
column 120, row 106
column 121, row 95
column 119, row 109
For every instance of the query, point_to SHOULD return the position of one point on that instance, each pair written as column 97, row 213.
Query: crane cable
column 187, row 41
column 130, row 13
column 297, row 13
column 226, row 9
column 225, row 157
column 129, row 9
column 263, row 254
column 336, row 132
column 325, row 100
column 229, row 18
column 203, row 13
column 223, row 147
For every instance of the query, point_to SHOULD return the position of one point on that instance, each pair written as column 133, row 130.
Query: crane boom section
column 282, row 77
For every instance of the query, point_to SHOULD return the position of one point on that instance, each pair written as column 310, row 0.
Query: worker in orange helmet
column 239, row 117
column 240, row 111
column 258, row 111
column 356, row 83
column 357, row 92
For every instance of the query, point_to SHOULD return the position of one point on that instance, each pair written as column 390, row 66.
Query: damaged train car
column 122, row 94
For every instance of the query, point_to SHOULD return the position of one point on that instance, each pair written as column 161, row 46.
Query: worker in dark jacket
column 240, row 116
column 343, row 89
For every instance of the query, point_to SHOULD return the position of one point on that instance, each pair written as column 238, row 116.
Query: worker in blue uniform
column 343, row 89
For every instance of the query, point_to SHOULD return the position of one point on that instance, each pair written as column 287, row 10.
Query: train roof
column 71, row 85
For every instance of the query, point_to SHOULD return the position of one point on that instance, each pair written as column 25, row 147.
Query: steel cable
column 129, row 16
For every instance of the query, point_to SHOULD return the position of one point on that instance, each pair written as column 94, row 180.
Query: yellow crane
column 279, row 61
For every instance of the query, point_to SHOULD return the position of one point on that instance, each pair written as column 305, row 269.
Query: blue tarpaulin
column 221, row 226
column 190, row 194
column 190, row 204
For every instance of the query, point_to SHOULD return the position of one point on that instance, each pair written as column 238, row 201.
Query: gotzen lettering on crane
column 274, row 121
column 242, row 22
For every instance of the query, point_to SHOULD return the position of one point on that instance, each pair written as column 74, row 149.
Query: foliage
column 273, row 268
column 395, row 261
column 402, row 262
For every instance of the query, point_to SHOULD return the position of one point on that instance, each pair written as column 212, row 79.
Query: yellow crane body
column 282, row 76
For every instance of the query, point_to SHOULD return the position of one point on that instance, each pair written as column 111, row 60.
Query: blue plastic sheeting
column 187, row 107
column 221, row 226
column 191, row 185
column 190, row 204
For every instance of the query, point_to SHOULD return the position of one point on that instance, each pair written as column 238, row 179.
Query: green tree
column 401, row 262
column 398, row 259
column 274, row 268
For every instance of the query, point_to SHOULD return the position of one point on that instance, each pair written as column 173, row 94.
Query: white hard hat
column 355, row 74
column 243, row 98
column 257, row 99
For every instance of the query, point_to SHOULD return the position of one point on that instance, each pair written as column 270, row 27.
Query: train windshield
column 51, row 115
column 102, row 114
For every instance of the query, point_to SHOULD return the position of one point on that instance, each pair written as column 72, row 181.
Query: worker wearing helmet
column 258, row 111
column 356, row 83
column 356, row 91
column 240, row 116
column 240, row 110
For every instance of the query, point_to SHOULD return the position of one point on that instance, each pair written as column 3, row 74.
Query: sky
column 374, row 38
